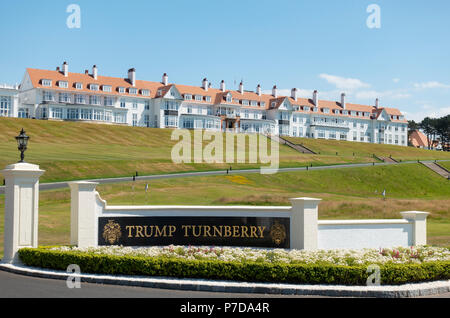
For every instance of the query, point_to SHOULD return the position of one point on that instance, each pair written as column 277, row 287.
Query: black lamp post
column 22, row 142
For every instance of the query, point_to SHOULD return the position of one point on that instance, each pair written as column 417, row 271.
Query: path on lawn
column 64, row 184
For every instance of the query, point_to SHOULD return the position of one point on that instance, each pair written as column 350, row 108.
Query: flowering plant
column 401, row 255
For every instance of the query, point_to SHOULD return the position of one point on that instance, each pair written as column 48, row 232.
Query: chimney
column 376, row 103
column 86, row 72
column 165, row 79
column 65, row 69
column 258, row 90
column 316, row 98
column 132, row 76
column 222, row 86
column 205, row 84
column 241, row 87
column 58, row 69
column 209, row 85
column 294, row 94
column 275, row 91
column 95, row 72
column 343, row 100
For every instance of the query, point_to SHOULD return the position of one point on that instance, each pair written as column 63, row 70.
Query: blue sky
column 321, row 44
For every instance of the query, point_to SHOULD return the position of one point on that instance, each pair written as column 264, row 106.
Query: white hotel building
column 89, row 97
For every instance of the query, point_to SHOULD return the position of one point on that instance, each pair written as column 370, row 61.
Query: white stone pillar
column 304, row 223
column 419, row 224
column 21, row 208
column 83, row 214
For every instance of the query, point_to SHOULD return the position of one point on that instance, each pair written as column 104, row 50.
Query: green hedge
column 391, row 274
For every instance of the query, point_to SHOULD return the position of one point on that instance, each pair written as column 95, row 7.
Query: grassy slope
column 352, row 193
column 70, row 150
column 348, row 148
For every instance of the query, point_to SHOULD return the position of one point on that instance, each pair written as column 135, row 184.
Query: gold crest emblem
column 278, row 233
column 112, row 232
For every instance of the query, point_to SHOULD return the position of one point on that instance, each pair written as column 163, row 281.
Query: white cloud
column 432, row 84
column 430, row 112
column 396, row 80
column 343, row 82
column 372, row 94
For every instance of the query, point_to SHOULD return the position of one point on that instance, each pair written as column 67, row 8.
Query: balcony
column 330, row 124
column 283, row 122
column 168, row 112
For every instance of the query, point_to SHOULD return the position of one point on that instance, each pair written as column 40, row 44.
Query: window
column 336, row 111
column 63, row 84
column 229, row 99
column 121, row 90
column 94, row 100
column 72, row 113
column 23, row 113
column 246, row 114
column 78, row 86
column 80, row 99
column 108, row 116
column 198, row 98
column 109, row 101
column 171, row 121
column 262, row 104
column 188, row 97
column 107, row 88
column 98, row 114
column 120, row 118
column 57, row 112
column 135, row 104
column 93, row 87
column 208, row 99
column 132, row 90
column 306, row 108
column 253, row 103
column 86, row 113
column 145, row 92
column 5, row 106
column 48, row 96
column 47, row 82
column 122, row 103
column 245, row 102
column 147, row 120
column 64, row 98
column 326, row 110
column 147, row 105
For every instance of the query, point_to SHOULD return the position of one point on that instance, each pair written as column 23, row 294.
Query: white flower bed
column 338, row 257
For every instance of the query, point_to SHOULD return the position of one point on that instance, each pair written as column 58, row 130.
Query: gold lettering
column 244, row 230
column 129, row 228
column 261, row 230
column 159, row 232
column 145, row 231
column 227, row 231
column 206, row 229
column 139, row 231
column 199, row 232
column 216, row 230
column 235, row 230
column 185, row 228
column 172, row 229
column 253, row 231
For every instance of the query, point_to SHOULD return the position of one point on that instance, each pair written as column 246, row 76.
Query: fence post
column 419, row 224
column 304, row 223
column 83, row 220
column 21, row 208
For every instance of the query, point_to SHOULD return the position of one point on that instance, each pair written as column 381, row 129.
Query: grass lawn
column 361, row 149
column 352, row 193
column 73, row 151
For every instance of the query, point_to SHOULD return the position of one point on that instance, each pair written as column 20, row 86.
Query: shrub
column 391, row 274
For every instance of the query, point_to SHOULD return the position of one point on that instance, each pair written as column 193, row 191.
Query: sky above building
column 397, row 51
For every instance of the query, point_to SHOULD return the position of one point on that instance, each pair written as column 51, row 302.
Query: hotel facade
column 89, row 97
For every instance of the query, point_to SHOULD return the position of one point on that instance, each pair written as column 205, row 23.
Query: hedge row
column 391, row 274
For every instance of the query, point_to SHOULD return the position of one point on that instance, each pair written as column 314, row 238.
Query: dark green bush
column 391, row 274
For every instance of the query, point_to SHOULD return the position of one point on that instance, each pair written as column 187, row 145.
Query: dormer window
column 273, row 104
column 78, row 85
column 208, row 99
column 107, row 88
column 306, row 108
column 228, row 98
column 145, row 92
column 236, row 100
column 188, row 97
column 245, row 102
column 133, row 90
column 353, row 113
column 336, row 111
column 46, row 82
column 262, row 104
column 345, row 112
column 121, row 90
column 198, row 98
column 63, row 84
column 253, row 103
column 93, row 87
column 315, row 109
